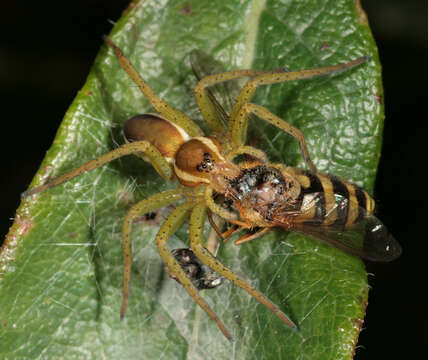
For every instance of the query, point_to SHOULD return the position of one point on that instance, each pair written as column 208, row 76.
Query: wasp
column 323, row 206
column 205, row 166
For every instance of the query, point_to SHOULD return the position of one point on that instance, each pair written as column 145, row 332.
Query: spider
column 178, row 149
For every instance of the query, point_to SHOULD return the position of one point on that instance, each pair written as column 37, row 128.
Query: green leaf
column 60, row 288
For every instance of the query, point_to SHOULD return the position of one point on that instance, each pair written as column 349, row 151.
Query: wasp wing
column 222, row 95
column 360, row 233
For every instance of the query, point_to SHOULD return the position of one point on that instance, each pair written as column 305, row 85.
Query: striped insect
column 326, row 207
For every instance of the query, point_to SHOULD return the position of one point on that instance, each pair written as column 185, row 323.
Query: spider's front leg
column 239, row 129
column 161, row 106
column 249, row 89
column 242, row 108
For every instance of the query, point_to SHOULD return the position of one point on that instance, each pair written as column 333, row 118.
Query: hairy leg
column 174, row 220
column 239, row 129
column 155, row 157
column 152, row 203
column 197, row 220
column 162, row 107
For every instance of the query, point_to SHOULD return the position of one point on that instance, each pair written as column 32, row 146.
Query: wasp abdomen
column 332, row 201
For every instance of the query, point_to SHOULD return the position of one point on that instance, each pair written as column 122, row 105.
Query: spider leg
column 204, row 102
column 171, row 224
column 215, row 208
column 197, row 219
column 147, row 205
column 156, row 159
column 223, row 213
column 249, row 89
column 162, row 107
column 247, row 150
column 239, row 130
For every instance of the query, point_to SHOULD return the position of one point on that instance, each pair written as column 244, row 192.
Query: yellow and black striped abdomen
column 331, row 201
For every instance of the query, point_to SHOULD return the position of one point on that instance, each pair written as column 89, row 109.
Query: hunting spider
column 178, row 149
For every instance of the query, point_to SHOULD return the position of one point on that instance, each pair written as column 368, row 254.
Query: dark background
column 46, row 52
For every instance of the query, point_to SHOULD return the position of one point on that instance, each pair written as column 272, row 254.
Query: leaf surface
column 60, row 288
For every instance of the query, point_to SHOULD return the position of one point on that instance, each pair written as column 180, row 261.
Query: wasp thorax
column 196, row 159
column 164, row 135
column 264, row 189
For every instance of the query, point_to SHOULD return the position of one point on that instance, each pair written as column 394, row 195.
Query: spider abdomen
column 166, row 136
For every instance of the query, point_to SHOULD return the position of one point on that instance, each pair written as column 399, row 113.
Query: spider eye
column 164, row 135
column 195, row 159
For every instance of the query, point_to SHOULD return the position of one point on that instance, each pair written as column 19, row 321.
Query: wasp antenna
column 294, row 327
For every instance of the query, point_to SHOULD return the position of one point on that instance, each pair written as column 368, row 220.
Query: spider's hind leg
column 156, row 159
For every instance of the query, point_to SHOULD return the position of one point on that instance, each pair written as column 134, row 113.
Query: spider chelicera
column 177, row 148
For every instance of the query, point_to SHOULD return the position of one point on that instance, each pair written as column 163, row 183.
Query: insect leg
column 214, row 225
column 223, row 235
column 171, row 224
column 156, row 159
column 172, row 114
column 152, row 203
column 241, row 122
column 197, row 219
column 248, row 237
column 249, row 89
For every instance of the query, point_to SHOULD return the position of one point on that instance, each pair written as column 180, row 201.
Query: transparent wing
column 222, row 95
column 359, row 233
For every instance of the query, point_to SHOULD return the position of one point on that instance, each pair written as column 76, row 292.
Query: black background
column 46, row 51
